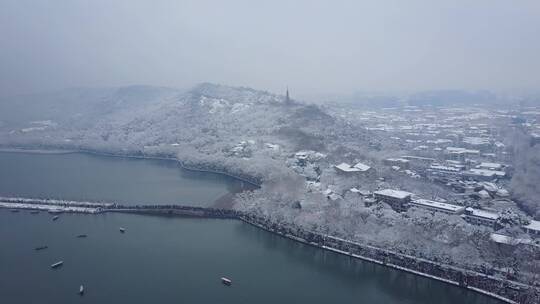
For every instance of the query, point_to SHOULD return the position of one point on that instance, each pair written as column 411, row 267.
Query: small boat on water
column 226, row 281
column 82, row 235
column 55, row 217
column 34, row 212
column 57, row 264
column 81, row 290
column 14, row 210
column 41, row 248
column 122, row 229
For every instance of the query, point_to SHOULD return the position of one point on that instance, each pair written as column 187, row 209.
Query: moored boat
column 81, row 290
column 41, row 248
column 122, row 229
column 57, row 264
column 34, row 212
column 226, row 281
column 82, row 235
column 55, row 217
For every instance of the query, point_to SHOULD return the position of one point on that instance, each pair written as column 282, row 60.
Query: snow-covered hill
column 209, row 117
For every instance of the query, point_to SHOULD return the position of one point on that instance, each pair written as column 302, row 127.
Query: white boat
column 81, row 290
column 57, row 264
column 226, row 281
column 122, row 229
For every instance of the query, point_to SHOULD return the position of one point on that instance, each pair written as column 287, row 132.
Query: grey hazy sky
column 313, row 46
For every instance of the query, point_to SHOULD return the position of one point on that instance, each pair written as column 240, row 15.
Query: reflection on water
column 80, row 176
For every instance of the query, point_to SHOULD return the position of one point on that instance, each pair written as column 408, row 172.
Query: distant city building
column 484, row 174
column 348, row 169
column 480, row 217
column 398, row 200
column 460, row 154
column 490, row 166
column 419, row 161
column 533, row 228
column 400, row 162
column 437, row 206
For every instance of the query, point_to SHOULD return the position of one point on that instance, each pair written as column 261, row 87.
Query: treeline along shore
column 506, row 290
column 199, row 167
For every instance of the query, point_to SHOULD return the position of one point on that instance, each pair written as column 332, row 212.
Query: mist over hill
column 77, row 105
column 139, row 116
column 434, row 98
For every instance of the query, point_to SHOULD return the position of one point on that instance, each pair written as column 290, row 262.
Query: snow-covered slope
column 208, row 117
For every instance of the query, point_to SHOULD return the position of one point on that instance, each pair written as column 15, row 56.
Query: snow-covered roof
column 533, row 225
column 439, row 141
column 461, row 150
column 359, row 167
column 476, row 140
column 411, row 157
column 328, row 192
column 486, row 172
column 482, row 213
column 493, row 166
column 444, row 168
column 439, row 205
column 362, row 167
column 401, row 160
column 484, row 194
column 394, row 193
column 347, row 168
column 508, row 240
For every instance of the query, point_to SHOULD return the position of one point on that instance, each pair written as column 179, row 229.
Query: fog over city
column 314, row 47
column 270, row 152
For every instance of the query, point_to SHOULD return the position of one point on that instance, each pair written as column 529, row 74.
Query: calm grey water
column 180, row 260
column 78, row 176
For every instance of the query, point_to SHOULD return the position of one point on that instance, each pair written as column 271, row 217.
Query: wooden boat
column 226, row 281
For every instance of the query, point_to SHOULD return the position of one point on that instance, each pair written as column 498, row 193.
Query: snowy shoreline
column 194, row 168
column 112, row 154
column 36, row 151
column 59, row 206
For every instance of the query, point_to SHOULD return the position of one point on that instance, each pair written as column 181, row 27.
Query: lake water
column 78, row 176
column 174, row 260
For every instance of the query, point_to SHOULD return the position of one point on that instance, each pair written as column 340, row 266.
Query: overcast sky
column 312, row 46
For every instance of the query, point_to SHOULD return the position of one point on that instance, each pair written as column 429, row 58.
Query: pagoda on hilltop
column 287, row 97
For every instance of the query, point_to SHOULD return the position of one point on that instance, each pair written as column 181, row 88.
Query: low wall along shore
column 508, row 291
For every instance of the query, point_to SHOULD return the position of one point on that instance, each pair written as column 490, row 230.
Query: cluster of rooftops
column 402, row 200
